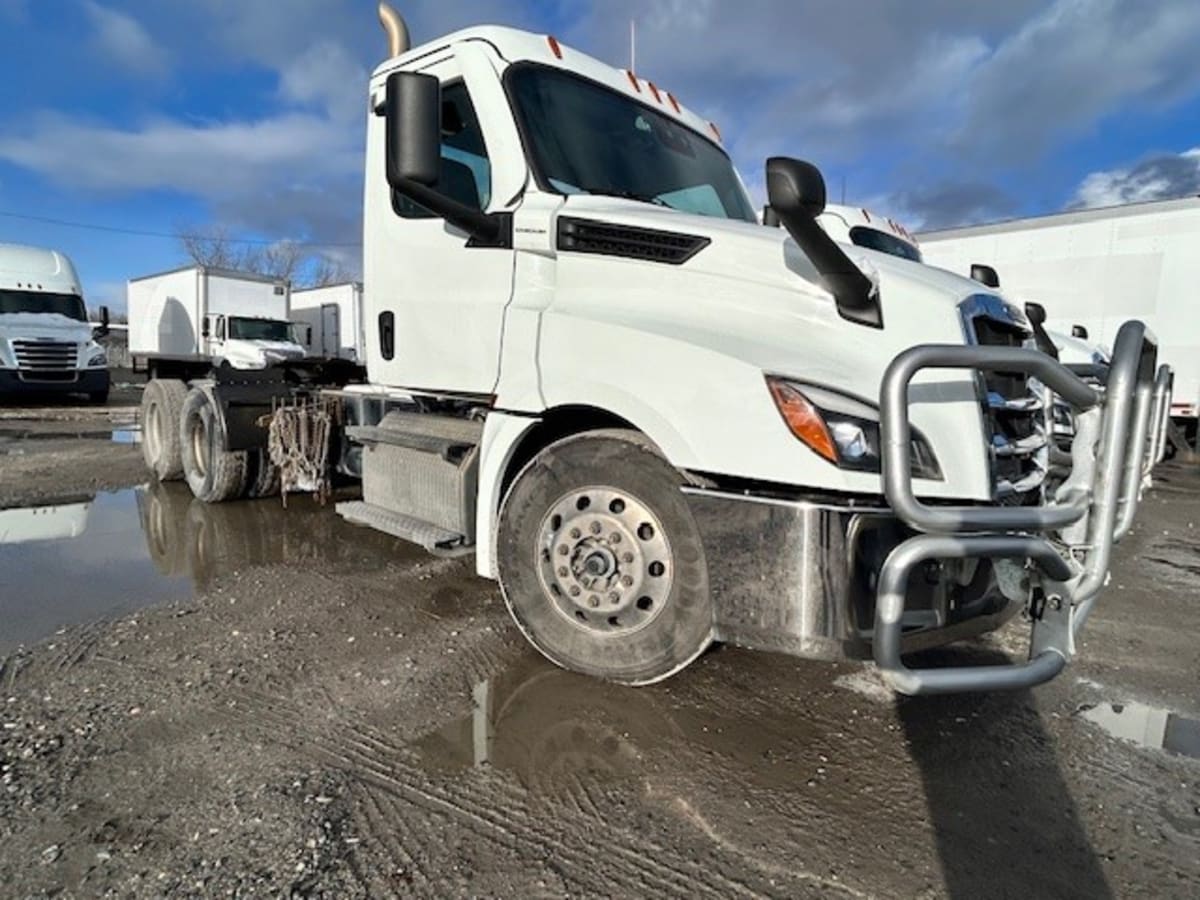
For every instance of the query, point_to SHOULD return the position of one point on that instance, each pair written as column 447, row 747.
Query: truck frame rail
column 1067, row 543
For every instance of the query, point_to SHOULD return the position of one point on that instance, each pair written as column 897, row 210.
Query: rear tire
column 162, row 412
column 601, row 563
column 262, row 475
column 213, row 473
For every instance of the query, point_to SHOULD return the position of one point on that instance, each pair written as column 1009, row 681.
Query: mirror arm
column 481, row 226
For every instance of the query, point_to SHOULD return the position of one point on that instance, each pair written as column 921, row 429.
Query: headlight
column 842, row 429
column 99, row 358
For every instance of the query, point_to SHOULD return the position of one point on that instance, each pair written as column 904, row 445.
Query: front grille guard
column 1067, row 543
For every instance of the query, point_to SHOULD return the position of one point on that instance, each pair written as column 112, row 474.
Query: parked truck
column 47, row 344
column 330, row 321
column 657, row 423
column 191, row 329
column 1096, row 269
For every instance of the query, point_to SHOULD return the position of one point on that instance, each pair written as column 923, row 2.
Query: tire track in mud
column 495, row 810
column 389, row 840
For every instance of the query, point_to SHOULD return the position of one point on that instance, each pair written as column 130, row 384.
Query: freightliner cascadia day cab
column 46, row 342
column 658, row 423
column 1097, row 269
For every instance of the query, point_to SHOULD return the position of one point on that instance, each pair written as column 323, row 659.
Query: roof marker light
column 715, row 129
column 866, row 214
column 633, row 80
column 554, row 45
column 674, row 102
column 654, row 91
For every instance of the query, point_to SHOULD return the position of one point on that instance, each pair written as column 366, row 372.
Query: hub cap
column 604, row 561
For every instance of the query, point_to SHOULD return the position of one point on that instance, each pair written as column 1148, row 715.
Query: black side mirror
column 413, row 152
column 1079, row 331
column 205, row 328
column 104, row 322
column 413, row 113
column 985, row 275
column 796, row 191
column 1036, row 313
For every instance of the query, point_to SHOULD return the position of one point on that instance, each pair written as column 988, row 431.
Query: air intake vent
column 587, row 236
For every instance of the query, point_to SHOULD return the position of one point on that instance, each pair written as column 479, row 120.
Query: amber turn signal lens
column 803, row 419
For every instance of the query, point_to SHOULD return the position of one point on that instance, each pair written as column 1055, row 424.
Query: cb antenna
column 633, row 46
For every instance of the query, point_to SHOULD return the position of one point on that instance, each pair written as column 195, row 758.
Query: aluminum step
column 431, row 537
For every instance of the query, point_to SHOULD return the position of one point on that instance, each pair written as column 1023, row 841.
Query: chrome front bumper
column 1065, row 544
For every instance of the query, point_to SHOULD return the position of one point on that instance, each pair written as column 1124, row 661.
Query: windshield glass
column 259, row 330
column 874, row 239
column 68, row 305
column 586, row 138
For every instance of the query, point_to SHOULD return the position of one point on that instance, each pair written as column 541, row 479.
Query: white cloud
column 124, row 40
column 329, row 77
column 1161, row 177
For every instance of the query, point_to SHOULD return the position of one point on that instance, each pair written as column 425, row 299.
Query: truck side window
column 466, row 172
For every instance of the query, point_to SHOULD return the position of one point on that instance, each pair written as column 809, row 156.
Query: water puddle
column 110, row 554
column 1148, row 726
column 555, row 730
column 11, row 438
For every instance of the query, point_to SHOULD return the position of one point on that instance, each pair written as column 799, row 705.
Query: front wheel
column 601, row 562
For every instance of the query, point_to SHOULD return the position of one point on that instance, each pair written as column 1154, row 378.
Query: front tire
column 162, row 412
column 213, row 473
column 601, row 563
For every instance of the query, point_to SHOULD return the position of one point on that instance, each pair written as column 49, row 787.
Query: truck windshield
column 873, row 239
column 259, row 330
column 68, row 305
column 586, row 138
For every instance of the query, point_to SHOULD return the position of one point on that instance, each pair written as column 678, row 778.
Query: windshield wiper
column 627, row 195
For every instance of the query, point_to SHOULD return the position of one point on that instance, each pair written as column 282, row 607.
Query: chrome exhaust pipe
column 397, row 31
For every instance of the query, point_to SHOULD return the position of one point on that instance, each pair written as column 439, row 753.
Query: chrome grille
column 36, row 358
column 1015, row 406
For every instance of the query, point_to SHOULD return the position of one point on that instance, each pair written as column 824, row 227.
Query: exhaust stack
column 397, row 32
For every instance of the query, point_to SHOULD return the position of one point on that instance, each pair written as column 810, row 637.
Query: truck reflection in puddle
column 556, row 731
column 110, row 554
column 1148, row 726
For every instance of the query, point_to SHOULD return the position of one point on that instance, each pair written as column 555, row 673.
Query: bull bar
column 1067, row 544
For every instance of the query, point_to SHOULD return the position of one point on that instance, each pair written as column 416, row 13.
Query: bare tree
column 288, row 260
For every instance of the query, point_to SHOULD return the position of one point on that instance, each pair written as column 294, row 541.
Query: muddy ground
column 307, row 708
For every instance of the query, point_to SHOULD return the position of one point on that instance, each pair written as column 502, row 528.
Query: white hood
column 53, row 326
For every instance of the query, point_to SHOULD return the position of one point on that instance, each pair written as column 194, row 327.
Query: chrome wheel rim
column 604, row 561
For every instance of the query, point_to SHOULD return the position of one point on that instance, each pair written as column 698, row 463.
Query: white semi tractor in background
column 47, row 345
column 1095, row 269
column 657, row 423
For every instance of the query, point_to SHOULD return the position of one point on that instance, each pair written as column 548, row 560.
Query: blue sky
column 247, row 115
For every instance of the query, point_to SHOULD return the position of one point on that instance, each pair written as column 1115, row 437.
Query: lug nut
column 614, row 597
column 627, row 580
column 593, row 600
column 575, row 592
column 627, row 557
column 563, row 572
column 575, row 533
column 615, row 538
column 596, row 528
column 563, row 549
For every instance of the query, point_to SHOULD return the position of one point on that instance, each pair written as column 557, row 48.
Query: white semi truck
column 47, row 344
column 1096, row 269
column 658, row 424
column 330, row 321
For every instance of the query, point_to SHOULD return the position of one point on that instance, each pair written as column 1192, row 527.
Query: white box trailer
column 1100, row 268
column 204, row 314
column 330, row 320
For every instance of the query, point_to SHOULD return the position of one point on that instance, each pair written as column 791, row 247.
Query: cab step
column 436, row 540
